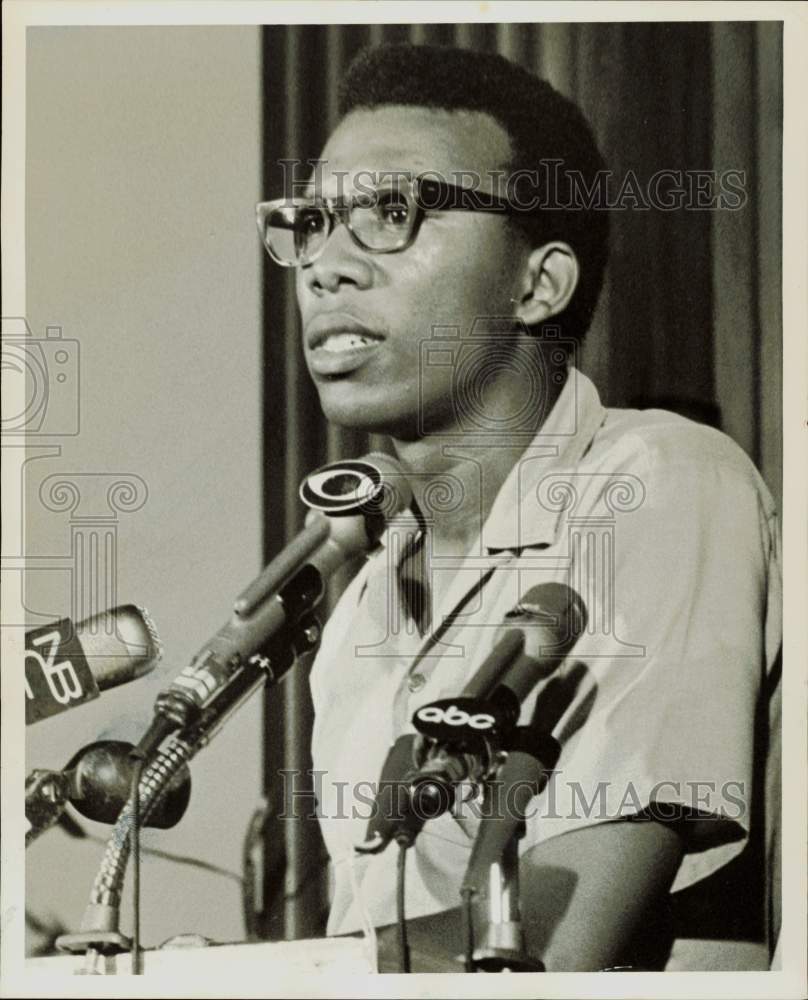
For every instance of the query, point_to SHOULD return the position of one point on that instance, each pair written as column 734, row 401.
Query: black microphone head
column 101, row 781
column 552, row 616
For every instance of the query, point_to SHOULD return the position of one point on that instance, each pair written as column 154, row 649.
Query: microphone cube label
column 456, row 720
column 57, row 675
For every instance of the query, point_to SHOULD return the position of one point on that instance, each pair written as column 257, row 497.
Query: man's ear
column 549, row 281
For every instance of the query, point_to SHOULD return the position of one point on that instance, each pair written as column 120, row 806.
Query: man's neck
column 455, row 484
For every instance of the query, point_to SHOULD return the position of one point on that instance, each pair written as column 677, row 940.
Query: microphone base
column 104, row 942
column 99, row 933
column 505, row 960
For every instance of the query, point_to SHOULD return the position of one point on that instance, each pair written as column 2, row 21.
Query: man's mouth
column 339, row 345
column 336, row 343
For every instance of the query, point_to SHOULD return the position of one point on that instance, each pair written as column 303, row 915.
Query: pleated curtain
column 689, row 319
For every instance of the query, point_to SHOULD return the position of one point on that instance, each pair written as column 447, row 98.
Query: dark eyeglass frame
column 425, row 194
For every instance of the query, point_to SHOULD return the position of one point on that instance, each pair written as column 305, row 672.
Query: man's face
column 461, row 265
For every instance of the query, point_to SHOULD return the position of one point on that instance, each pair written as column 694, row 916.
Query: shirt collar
column 517, row 519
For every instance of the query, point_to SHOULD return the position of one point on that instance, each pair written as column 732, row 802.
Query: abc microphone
column 350, row 502
column 522, row 776
column 509, row 789
column 460, row 737
column 465, row 736
column 67, row 664
column 392, row 815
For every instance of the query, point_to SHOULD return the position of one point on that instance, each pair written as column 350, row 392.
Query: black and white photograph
column 404, row 499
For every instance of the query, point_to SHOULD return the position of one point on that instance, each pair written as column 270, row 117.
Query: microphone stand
column 494, row 859
column 100, row 935
column 503, row 946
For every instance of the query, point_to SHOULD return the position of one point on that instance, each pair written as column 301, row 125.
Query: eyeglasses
column 385, row 220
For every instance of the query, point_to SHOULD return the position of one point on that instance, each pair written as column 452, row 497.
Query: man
column 442, row 300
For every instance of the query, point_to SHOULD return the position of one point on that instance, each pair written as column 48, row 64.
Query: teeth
column 345, row 342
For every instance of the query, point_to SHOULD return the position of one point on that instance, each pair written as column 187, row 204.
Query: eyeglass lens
column 297, row 233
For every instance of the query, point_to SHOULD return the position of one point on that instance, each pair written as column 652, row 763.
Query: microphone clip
column 46, row 796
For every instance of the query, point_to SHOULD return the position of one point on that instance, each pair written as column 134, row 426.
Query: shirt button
column 416, row 682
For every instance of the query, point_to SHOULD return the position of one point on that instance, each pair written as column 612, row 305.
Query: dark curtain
column 689, row 319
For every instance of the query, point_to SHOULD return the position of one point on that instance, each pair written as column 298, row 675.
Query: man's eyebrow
column 316, row 196
column 364, row 179
column 314, row 193
column 393, row 176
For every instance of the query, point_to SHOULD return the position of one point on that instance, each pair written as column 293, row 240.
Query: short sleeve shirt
column 667, row 532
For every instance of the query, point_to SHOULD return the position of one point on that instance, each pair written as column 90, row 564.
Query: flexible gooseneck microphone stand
column 100, row 934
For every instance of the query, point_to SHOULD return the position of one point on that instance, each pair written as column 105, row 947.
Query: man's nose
column 342, row 262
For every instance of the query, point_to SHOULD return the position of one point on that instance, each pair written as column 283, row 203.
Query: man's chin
column 373, row 416
column 344, row 406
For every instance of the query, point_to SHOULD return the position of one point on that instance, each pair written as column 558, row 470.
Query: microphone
column 521, row 777
column 465, row 735
column 350, row 502
column 390, row 805
column 97, row 781
column 459, row 738
column 101, row 782
column 67, row 664
column 392, row 814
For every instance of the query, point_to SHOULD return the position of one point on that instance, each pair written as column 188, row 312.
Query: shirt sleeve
column 680, row 588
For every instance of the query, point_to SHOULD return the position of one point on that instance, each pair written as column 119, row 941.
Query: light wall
column 143, row 168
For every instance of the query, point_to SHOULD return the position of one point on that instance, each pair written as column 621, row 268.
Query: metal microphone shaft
column 350, row 502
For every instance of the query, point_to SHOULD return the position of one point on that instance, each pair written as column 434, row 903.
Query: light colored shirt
column 669, row 535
